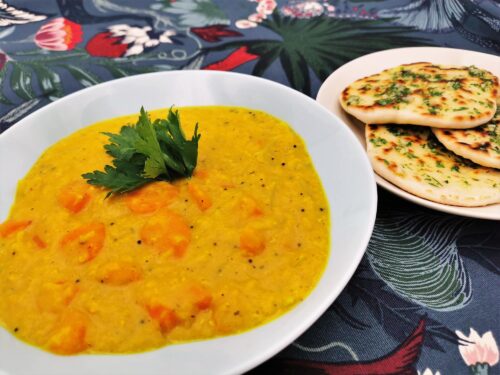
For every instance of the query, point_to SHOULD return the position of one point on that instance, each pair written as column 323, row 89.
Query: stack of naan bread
column 432, row 130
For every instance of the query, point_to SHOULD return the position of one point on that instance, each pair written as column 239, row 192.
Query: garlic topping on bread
column 411, row 158
column 424, row 94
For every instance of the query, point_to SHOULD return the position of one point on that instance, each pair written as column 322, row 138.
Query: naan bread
column 424, row 94
column 411, row 157
column 481, row 144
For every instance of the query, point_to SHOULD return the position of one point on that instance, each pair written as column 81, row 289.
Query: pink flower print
column 266, row 7
column 59, row 34
column 245, row 24
column 478, row 350
column 256, row 17
column 306, row 9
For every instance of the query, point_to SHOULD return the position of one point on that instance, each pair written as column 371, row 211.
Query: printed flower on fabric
column 10, row 15
column 214, row 33
column 3, row 59
column 306, row 9
column 196, row 13
column 124, row 40
column 478, row 350
column 263, row 10
column 235, row 59
column 59, row 34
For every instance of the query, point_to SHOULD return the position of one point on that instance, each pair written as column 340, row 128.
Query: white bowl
column 375, row 62
column 339, row 160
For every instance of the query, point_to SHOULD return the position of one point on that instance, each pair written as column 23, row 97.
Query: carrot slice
column 249, row 207
column 39, row 242
column 69, row 337
column 86, row 241
column 75, row 196
column 201, row 296
column 120, row 273
column 151, row 197
column 166, row 318
column 167, row 231
column 201, row 198
column 12, row 226
column 252, row 241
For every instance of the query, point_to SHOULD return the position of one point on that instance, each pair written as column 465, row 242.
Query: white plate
column 375, row 62
column 339, row 159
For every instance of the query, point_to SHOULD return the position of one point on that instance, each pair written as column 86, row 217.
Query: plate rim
column 322, row 98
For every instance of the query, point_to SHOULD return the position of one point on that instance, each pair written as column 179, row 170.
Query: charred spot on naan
column 480, row 144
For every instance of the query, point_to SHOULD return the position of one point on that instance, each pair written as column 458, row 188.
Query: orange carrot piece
column 12, row 226
column 201, row 198
column 41, row 244
column 86, row 240
column 120, row 273
column 249, row 207
column 151, row 197
column 167, row 231
column 69, row 338
column 202, row 297
column 75, row 196
column 166, row 318
column 252, row 241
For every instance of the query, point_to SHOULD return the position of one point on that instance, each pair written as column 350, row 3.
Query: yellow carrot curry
column 237, row 244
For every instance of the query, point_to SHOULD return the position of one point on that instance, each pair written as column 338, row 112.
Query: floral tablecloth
column 442, row 314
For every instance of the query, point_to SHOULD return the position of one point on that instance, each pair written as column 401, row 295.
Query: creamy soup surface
column 237, row 245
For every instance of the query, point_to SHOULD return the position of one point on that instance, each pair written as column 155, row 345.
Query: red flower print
column 235, row 59
column 214, row 33
column 125, row 40
column 3, row 60
column 106, row 45
column 400, row 361
column 59, row 34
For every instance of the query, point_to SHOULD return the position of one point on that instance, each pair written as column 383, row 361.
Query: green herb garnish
column 433, row 109
column 476, row 72
column 455, row 85
column 394, row 94
column 353, row 99
column 435, row 92
column 397, row 131
column 384, row 101
column 377, row 142
column 432, row 181
column 146, row 152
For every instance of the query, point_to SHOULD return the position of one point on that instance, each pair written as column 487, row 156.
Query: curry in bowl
column 234, row 245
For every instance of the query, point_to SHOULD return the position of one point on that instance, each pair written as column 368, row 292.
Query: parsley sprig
column 147, row 152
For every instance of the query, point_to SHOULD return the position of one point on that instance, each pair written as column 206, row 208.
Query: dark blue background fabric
column 55, row 47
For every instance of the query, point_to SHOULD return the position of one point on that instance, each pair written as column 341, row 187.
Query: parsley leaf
column 147, row 152
column 146, row 143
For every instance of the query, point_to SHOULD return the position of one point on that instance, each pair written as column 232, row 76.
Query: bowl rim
column 319, row 308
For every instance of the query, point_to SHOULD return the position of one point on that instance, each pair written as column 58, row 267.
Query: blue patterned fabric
column 390, row 319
